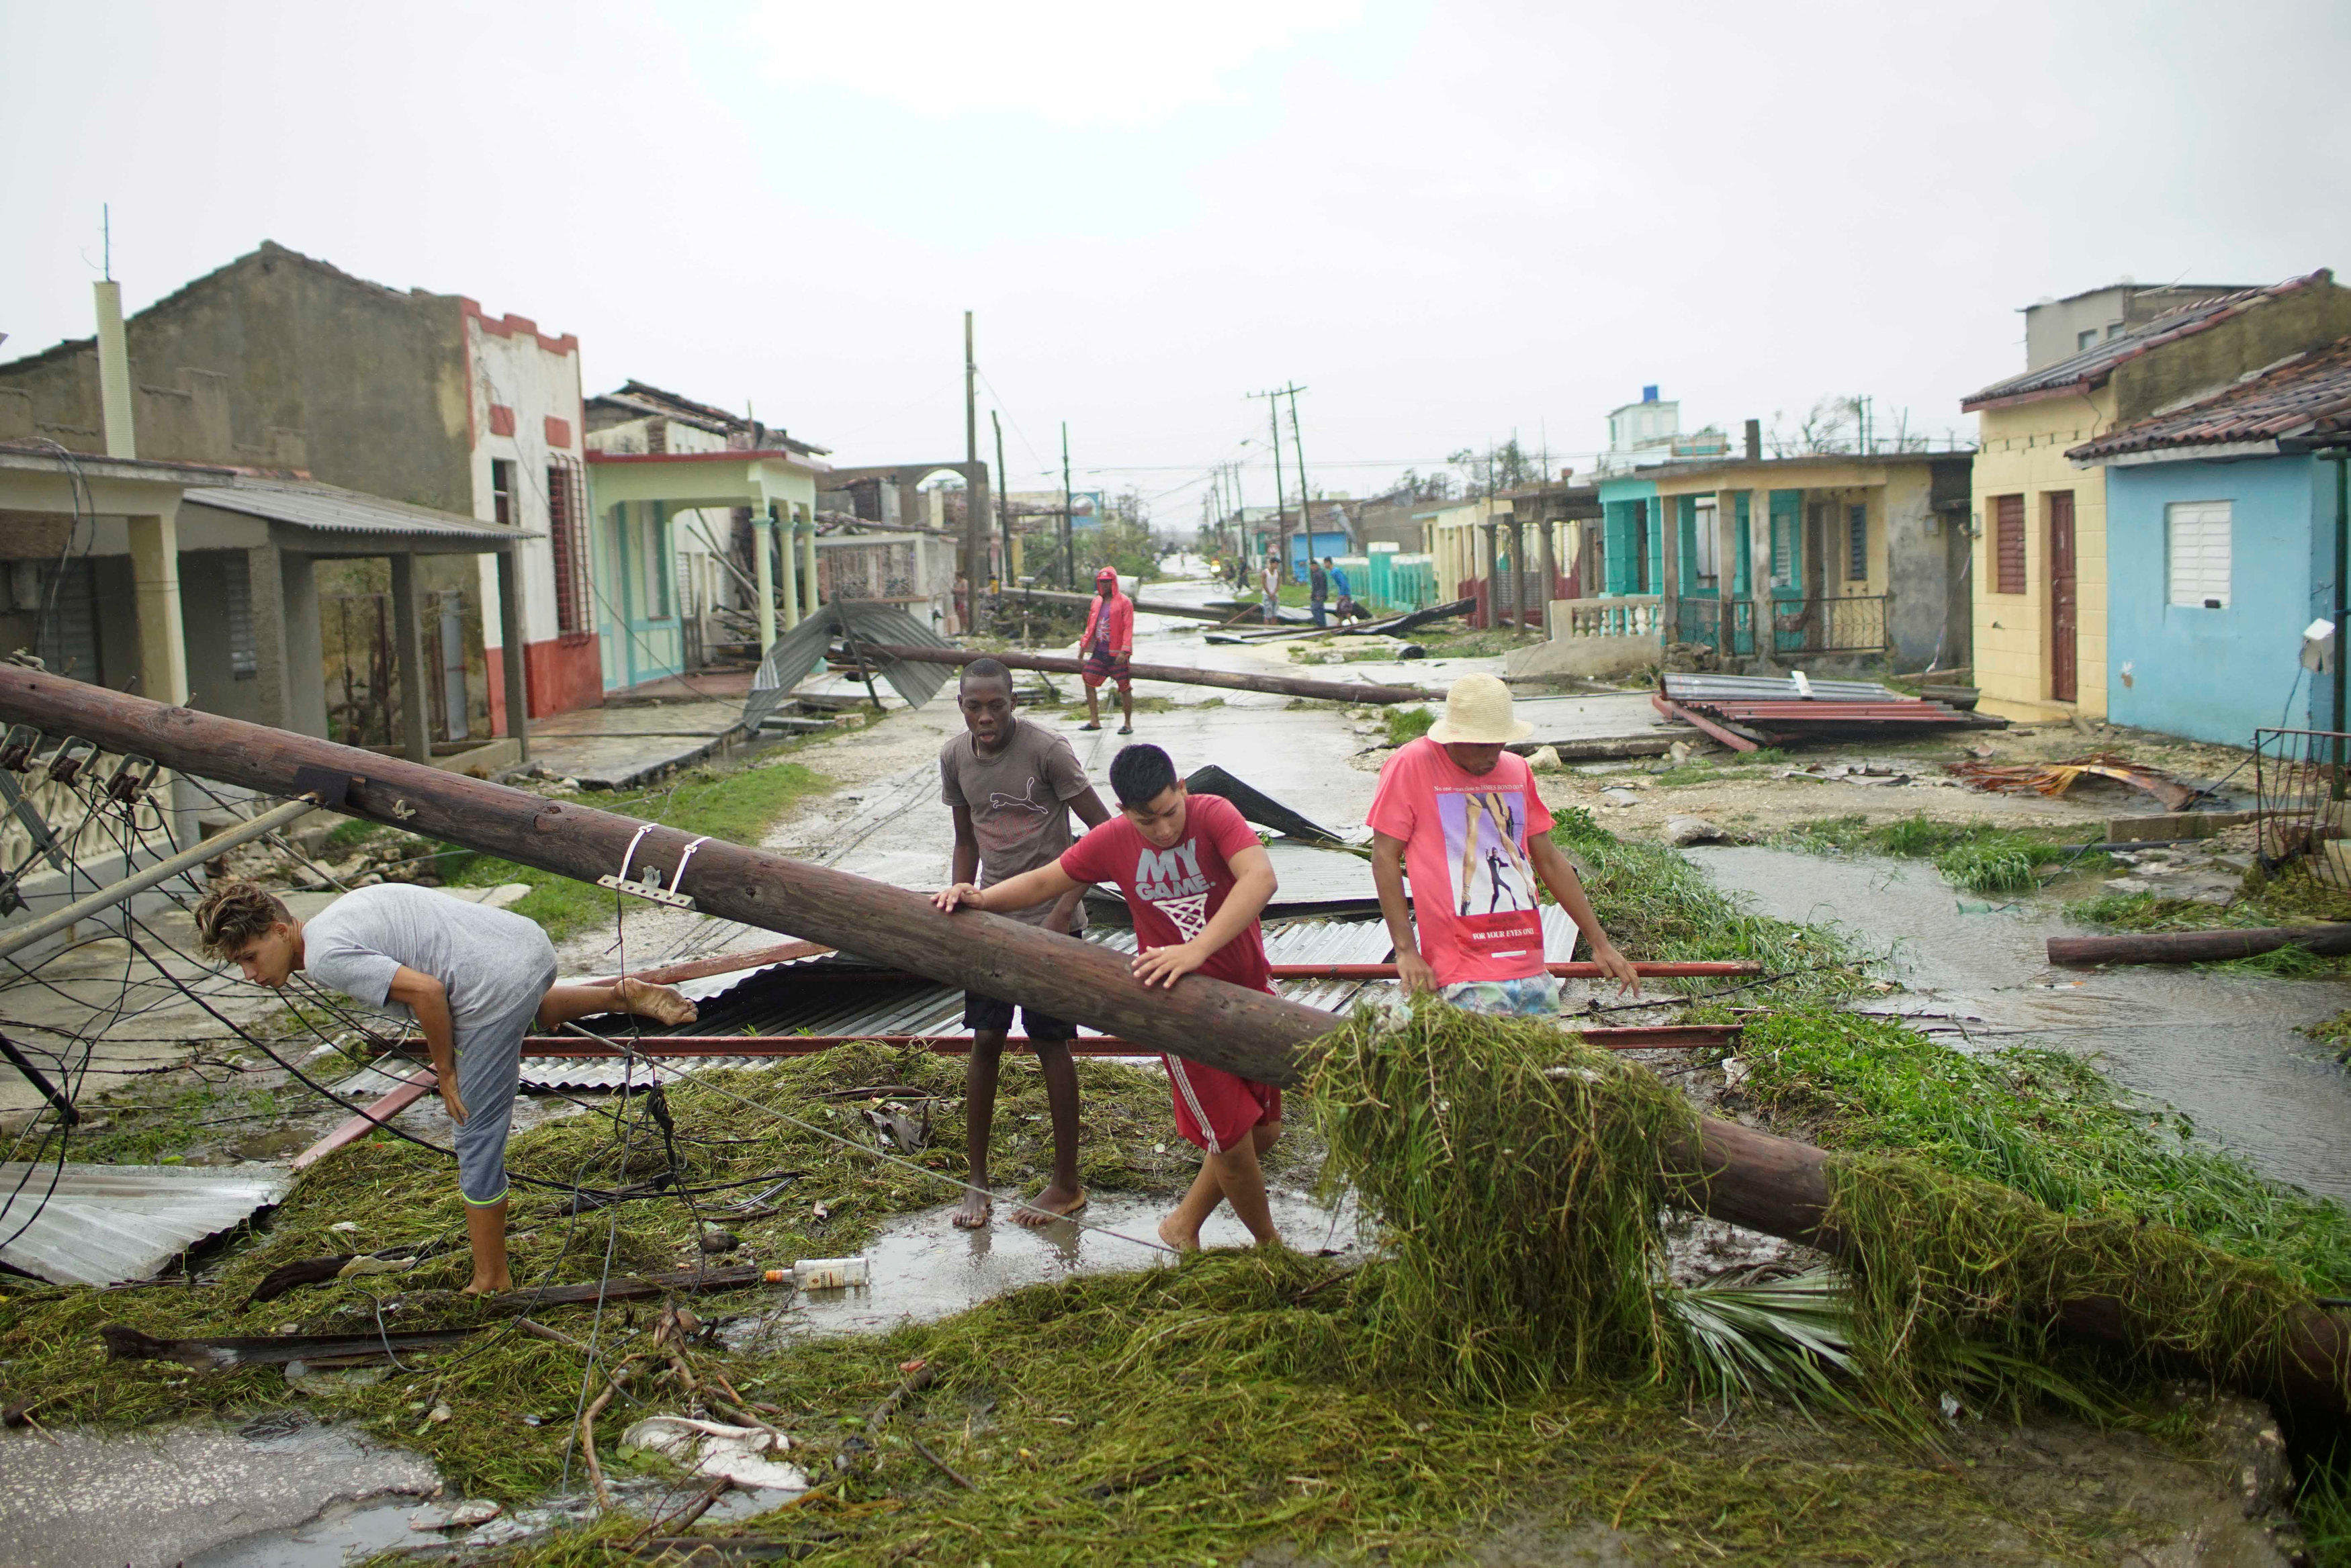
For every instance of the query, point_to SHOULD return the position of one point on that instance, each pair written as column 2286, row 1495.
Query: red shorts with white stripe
column 1216, row 1109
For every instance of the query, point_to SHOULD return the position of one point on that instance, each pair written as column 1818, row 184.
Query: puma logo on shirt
column 1022, row 802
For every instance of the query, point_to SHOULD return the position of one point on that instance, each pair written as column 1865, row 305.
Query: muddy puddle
column 923, row 1268
column 2222, row 1048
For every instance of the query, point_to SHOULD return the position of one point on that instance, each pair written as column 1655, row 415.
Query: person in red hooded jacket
column 1106, row 647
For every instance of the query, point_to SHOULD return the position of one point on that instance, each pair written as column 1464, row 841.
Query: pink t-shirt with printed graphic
column 1474, row 901
column 1175, row 892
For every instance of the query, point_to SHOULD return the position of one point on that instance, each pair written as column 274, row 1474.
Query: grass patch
column 1655, row 903
column 2037, row 1121
column 1976, row 856
column 348, row 836
column 737, row 803
column 403, row 1196
column 1406, row 725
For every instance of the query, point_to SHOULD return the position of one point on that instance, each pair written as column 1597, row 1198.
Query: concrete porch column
column 1668, row 511
column 306, row 651
column 408, row 642
column 787, row 558
column 763, row 539
column 511, row 634
column 155, row 582
column 1726, row 570
column 804, row 526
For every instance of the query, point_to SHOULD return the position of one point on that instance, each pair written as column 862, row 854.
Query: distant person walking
column 1107, row 646
column 1269, row 581
column 1318, row 588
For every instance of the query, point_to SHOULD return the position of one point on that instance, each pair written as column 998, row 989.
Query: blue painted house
column 2224, row 525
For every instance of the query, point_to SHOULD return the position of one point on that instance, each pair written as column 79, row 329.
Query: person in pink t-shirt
column 1108, row 647
column 1195, row 877
column 1461, row 817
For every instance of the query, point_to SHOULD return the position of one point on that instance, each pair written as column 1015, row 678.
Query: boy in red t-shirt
column 1460, row 816
column 1195, row 877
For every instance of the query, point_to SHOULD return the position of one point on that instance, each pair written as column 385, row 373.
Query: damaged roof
column 2302, row 403
column 2093, row 365
column 103, row 1224
column 327, row 508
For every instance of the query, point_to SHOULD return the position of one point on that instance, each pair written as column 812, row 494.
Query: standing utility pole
column 1069, row 556
column 975, row 524
column 1305, row 496
column 1281, row 552
column 1003, row 498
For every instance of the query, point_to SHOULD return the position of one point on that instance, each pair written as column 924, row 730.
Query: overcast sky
column 1447, row 222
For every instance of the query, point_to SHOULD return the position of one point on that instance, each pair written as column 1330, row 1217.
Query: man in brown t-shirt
column 1011, row 787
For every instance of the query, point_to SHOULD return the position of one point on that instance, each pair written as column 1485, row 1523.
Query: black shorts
column 983, row 1014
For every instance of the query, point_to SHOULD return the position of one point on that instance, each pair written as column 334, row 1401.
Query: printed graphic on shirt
column 1171, row 880
column 1493, row 884
column 1027, row 801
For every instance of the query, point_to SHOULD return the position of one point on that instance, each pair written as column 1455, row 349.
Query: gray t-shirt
column 1017, row 799
column 491, row 961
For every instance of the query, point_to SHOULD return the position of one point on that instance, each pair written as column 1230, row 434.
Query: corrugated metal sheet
column 102, row 1224
column 1774, row 689
column 825, row 995
column 333, row 509
column 795, row 656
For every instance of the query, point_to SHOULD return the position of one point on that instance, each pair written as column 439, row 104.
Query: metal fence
column 2300, row 781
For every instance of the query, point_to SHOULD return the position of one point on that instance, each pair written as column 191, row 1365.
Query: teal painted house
column 2225, row 525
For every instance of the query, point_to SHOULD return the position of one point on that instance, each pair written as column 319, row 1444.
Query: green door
column 1787, row 569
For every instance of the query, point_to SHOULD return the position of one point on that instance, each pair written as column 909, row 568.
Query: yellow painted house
column 2039, row 561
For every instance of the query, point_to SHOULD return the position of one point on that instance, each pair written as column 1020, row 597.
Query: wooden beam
column 1180, row 674
column 2198, row 947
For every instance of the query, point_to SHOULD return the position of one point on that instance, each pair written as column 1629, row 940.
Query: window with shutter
column 2195, row 541
column 244, row 648
column 2008, row 544
column 1857, row 522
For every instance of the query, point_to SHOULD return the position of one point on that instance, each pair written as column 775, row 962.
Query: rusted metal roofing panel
column 2095, row 364
column 2306, row 402
column 101, row 1224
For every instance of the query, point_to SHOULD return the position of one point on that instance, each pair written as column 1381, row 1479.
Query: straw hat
column 1478, row 713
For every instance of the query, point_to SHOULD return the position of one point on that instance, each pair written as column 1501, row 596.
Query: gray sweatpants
column 490, row 1066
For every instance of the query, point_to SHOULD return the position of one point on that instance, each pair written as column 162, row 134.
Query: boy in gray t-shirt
column 1011, row 786
column 474, row 979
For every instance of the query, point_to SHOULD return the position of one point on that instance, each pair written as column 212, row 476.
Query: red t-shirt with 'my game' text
column 1474, row 901
column 1175, row 892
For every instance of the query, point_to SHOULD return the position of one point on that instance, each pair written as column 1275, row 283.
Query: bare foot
column 490, row 1287
column 662, row 1003
column 1053, row 1203
column 977, row 1211
column 1180, row 1240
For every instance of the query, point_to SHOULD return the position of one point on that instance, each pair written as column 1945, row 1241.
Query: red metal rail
column 539, row 1046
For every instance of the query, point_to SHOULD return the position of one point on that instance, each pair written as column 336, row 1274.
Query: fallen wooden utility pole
column 1181, row 674
column 2198, row 947
column 1078, row 601
column 1731, row 1172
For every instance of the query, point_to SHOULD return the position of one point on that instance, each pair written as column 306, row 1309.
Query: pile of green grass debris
column 1976, row 856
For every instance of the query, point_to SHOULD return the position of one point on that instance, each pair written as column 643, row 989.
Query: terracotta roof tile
column 2304, row 401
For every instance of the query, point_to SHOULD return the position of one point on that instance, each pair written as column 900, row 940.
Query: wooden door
column 2064, row 638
